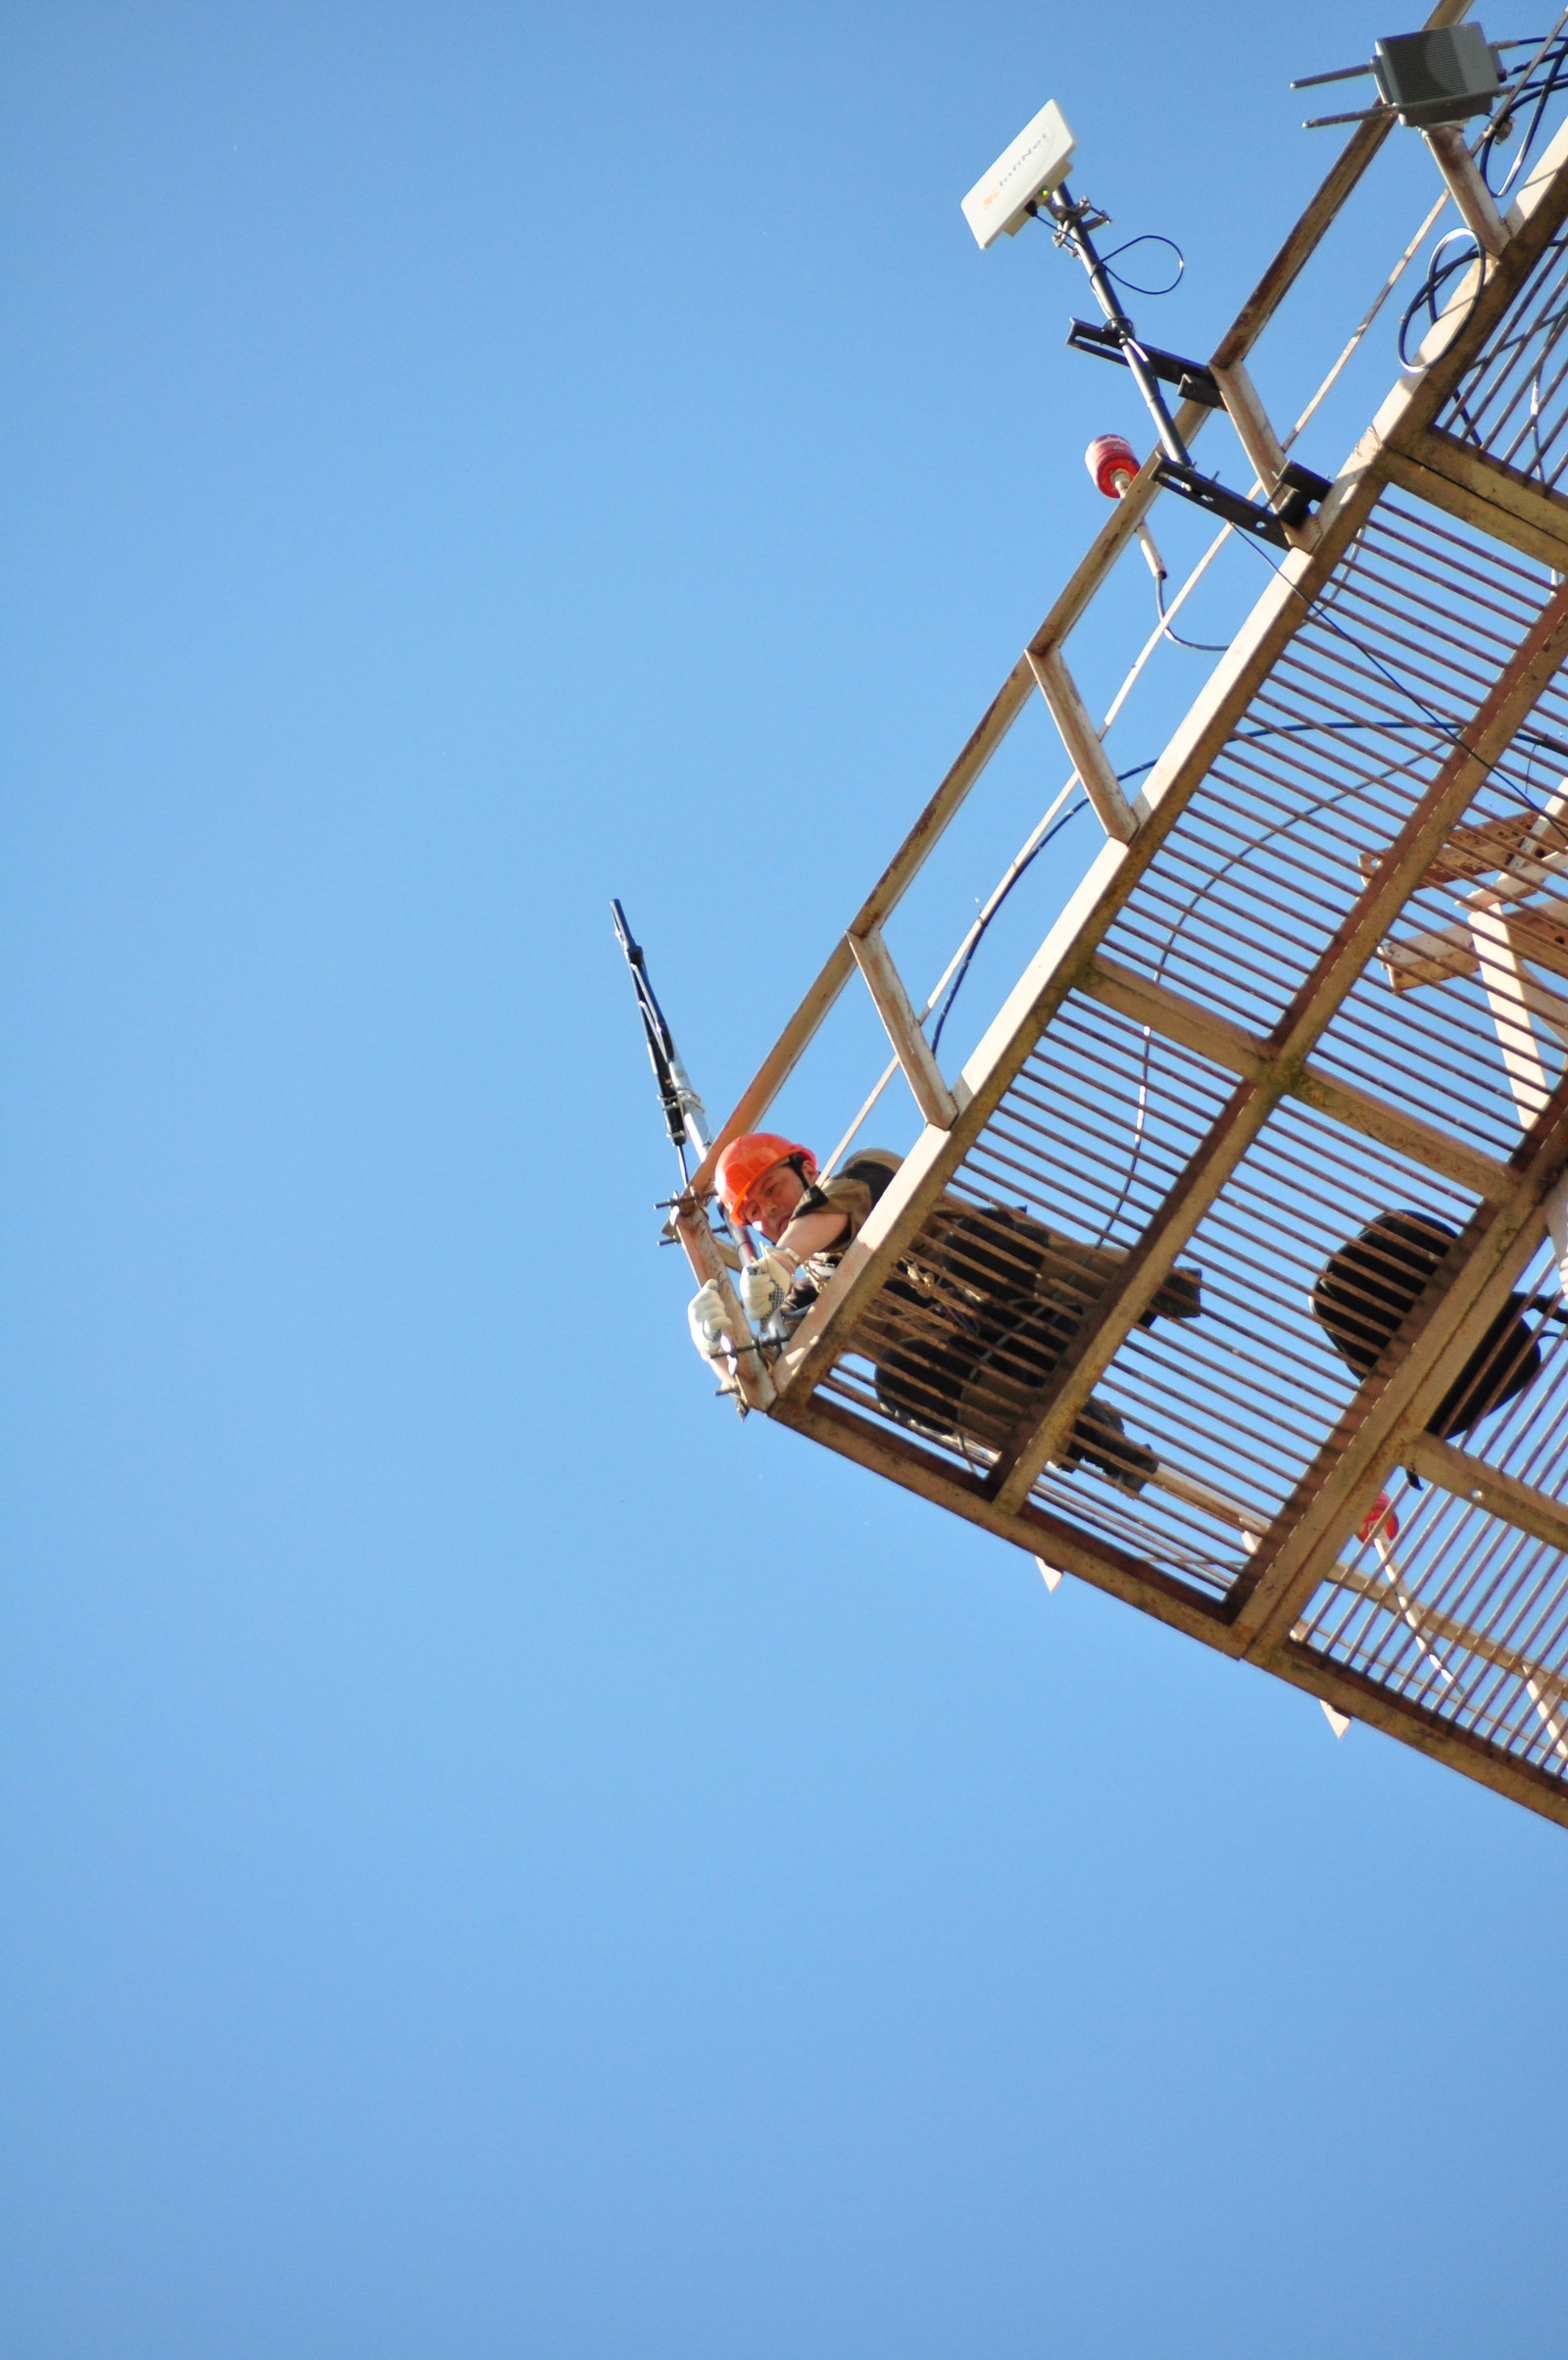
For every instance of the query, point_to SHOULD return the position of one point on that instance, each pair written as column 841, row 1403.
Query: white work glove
column 705, row 1316
column 764, row 1284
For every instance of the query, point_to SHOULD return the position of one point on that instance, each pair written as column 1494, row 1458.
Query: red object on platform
column 1113, row 462
column 1379, row 1518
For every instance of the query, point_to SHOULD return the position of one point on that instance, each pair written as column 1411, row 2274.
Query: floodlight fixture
column 1038, row 161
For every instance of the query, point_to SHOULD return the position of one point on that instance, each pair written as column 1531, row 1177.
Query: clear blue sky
column 500, row 1859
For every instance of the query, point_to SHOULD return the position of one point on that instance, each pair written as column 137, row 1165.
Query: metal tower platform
column 1315, row 973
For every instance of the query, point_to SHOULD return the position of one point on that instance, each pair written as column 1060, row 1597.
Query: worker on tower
column 972, row 1322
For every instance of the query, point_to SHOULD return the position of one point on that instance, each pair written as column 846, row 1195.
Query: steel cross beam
column 1470, row 1478
column 1223, row 1042
column 1042, row 1432
column 1485, row 492
column 1360, row 1697
column 1091, row 1557
column 1445, row 1327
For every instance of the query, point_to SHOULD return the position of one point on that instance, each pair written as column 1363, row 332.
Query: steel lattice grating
column 1512, row 403
column 1355, row 721
column 1335, row 750
column 1467, row 1617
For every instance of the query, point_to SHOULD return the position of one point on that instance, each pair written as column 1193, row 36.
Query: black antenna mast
column 685, row 1116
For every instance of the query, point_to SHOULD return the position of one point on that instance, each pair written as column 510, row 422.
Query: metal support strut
column 1296, row 487
column 1074, row 220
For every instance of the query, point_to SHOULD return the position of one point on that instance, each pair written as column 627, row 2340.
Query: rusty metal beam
column 1428, row 1623
column 1365, row 1699
column 885, row 984
column 1477, row 207
column 1078, row 734
column 1531, row 844
column 1036, row 1531
column 1042, row 1431
column 1537, row 931
column 1226, row 1044
column 1265, row 452
column 1479, row 490
column 1470, row 1478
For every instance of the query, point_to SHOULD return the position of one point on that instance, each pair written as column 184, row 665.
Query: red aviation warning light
column 1112, row 463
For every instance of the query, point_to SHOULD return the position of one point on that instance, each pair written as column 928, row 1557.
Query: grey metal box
column 1436, row 78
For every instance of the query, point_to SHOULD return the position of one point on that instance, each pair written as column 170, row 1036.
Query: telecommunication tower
column 1301, row 1027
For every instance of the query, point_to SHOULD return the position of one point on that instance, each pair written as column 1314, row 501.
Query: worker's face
column 773, row 1201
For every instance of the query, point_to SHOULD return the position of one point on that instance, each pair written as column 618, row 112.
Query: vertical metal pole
column 1064, row 212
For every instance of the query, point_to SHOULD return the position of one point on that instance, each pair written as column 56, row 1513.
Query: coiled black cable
column 1548, row 77
column 1444, row 266
column 1147, row 237
column 1197, row 647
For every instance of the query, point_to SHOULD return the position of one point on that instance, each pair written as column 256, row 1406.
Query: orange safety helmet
column 744, row 1161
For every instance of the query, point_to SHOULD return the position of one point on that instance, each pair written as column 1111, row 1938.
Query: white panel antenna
column 1038, row 161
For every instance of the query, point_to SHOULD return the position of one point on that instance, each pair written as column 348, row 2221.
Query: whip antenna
column 685, row 1116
